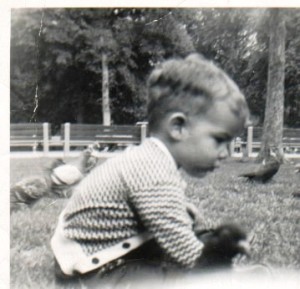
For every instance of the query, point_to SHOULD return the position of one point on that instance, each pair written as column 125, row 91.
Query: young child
column 138, row 197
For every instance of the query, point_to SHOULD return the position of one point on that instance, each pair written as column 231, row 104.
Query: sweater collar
column 163, row 148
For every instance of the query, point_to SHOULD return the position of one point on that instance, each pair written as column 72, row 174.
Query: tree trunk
column 105, row 91
column 80, row 109
column 273, row 121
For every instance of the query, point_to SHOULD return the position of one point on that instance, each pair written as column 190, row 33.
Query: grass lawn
column 268, row 212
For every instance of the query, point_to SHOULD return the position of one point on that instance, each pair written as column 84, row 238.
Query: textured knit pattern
column 139, row 190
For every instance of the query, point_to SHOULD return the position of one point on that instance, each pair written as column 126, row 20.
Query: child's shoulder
column 147, row 151
column 148, row 163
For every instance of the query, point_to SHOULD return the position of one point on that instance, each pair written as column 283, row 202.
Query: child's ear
column 177, row 123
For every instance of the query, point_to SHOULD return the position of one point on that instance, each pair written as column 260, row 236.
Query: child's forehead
column 223, row 117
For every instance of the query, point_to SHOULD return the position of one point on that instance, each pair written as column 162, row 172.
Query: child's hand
column 221, row 245
column 197, row 217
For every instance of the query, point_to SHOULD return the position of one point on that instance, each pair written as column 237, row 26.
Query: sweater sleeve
column 163, row 212
column 156, row 191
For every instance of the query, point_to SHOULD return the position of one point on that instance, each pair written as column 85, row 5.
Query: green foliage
column 229, row 37
column 56, row 58
column 61, row 71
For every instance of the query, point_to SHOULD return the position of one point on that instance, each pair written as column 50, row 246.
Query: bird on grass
column 27, row 192
column 296, row 194
column 264, row 171
column 221, row 245
column 64, row 175
column 57, row 180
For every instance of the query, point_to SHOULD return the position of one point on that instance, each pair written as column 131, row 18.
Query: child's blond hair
column 191, row 86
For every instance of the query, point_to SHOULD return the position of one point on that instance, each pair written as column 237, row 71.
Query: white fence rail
column 36, row 135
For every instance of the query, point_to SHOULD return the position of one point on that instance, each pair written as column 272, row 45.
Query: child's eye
column 220, row 139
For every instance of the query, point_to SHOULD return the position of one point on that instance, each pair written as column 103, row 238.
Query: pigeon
column 65, row 175
column 86, row 161
column 221, row 245
column 265, row 171
column 57, row 179
column 296, row 194
column 27, row 192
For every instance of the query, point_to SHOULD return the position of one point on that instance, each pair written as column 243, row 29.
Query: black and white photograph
column 153, row 147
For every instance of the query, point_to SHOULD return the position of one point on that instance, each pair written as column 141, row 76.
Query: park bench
column 80, row 135
column 291, row 139
column 251, row 140
column 35, row 135
column 30, row 135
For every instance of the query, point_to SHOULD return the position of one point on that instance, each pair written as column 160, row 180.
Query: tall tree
column 59, row 52
column 229, row 37
column 105, row 91
column 273, row 121
column 292, row 69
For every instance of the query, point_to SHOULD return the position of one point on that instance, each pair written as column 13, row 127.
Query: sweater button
column 126, row 245
column 95, row 260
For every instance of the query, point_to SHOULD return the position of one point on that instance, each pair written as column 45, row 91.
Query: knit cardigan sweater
column 121, row 204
